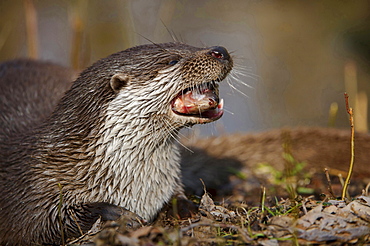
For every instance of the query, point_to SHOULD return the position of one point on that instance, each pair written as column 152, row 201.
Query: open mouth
column 201, row 101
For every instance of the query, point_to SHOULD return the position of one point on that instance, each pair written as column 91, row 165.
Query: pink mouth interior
column 199, row 102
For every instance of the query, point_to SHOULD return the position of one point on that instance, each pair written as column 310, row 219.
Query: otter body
column 29, row 93
column 109, row 144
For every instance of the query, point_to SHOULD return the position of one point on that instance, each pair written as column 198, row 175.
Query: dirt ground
column 276, row 221
column 296, row 206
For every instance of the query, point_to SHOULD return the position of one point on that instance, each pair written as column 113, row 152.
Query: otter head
column 172, row 81
column 141, row 90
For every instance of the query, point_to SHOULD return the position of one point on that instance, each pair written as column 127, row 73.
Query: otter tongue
column 196, row 102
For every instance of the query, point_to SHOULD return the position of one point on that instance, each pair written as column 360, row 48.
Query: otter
column 110, row 144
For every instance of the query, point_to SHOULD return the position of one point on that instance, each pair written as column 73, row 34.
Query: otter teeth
column 221, row 104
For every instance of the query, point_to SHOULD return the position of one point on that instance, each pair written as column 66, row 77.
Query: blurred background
column 294, row 59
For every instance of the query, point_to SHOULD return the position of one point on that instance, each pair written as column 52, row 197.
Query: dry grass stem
column 350, row 171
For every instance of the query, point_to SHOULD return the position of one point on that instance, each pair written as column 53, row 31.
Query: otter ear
column 118, row 81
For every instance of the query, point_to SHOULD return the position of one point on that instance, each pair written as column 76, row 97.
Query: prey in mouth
column 200, row 101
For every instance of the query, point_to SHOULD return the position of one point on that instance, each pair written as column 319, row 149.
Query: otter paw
column 87, row 214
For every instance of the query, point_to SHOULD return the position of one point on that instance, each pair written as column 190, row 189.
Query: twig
column 367, row 189
column 350, row 112
column 329, row 182
column 304, row 205
column 263, row 198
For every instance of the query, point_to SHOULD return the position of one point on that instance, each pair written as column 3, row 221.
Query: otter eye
column 173, row 62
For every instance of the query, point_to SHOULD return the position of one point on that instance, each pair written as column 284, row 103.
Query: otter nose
column 220, row 53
